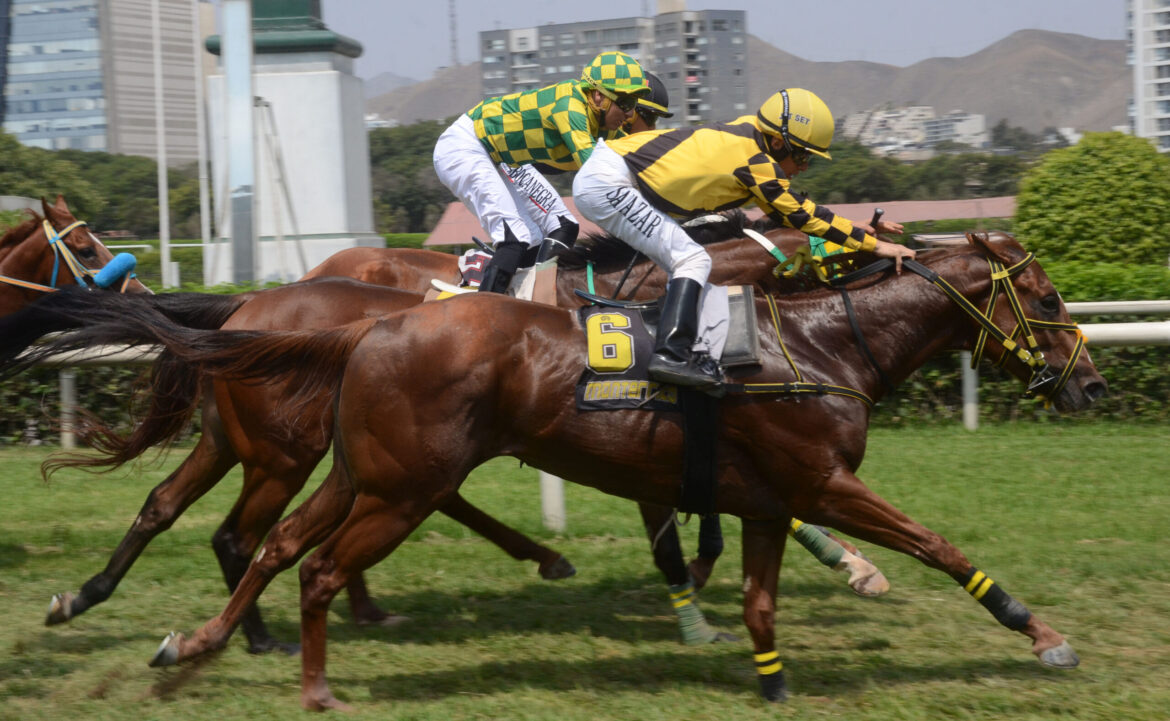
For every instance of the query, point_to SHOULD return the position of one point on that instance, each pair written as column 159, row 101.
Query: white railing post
column 970, row 391
column 552, row 502
column 68, row 380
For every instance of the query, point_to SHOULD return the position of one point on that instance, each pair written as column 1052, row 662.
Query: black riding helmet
column 656, row 103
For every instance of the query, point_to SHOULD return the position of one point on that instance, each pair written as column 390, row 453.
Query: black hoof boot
column 506, row 259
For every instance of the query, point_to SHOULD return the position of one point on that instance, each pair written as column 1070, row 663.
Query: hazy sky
column 411, row 37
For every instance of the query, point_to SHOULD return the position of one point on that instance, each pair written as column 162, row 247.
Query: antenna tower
column 454, row 43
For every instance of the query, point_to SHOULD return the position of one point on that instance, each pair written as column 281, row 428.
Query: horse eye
column 87, row 253
column 1050, row 304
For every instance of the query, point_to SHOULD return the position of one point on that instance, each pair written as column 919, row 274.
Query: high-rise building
column 700, row 55
column 81, row 75
column 1149, row 54
column 4, row 26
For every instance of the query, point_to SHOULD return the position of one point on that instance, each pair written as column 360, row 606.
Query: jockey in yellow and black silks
column 635, row 187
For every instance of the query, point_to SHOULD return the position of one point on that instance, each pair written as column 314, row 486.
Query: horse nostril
column 1095, row 390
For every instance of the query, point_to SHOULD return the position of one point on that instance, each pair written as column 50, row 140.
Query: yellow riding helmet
column 798, row 117
column 615, row 73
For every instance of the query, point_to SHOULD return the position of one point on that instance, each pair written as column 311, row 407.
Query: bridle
column 1044, row 381
column 123, row 263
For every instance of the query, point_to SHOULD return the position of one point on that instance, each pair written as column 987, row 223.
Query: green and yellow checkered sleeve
column 571, row 120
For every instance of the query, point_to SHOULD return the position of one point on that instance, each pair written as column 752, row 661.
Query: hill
column 1033, row 78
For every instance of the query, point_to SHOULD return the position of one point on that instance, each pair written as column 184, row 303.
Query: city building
column 5, row 7
column 901, row 130
column 80, row 74
column 1149, row 53
column 700, row 55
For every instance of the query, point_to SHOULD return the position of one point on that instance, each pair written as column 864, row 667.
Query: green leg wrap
column 825, row 549
column 691, row 623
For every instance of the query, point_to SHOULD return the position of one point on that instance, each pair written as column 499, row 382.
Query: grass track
column 1070, row 519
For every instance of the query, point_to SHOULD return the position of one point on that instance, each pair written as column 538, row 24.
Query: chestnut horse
column 427, row 394
column 239, row 420
column 55, row 250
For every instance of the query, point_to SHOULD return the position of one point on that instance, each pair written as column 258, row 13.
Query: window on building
column 567, row 38
column 495, row 44
column 719, row 25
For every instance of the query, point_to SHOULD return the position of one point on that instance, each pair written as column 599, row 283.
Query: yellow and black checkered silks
column 552, row 125
column 616, row 72
column 708, row 168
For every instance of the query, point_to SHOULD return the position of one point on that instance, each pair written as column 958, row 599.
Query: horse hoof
column 1062, row 656
column 60, row 609
column 864, row 578
column 558, row 569
column 724, row 637
column 168, row 651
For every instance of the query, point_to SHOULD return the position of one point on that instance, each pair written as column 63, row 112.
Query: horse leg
column 710, row 548
column 668, row 557
column 373, row 529
column 763, row 549
column 305, row 527
column 198, row 473
column 268, row 489
column 553, row 566
column 864, row 578
column 846, row 503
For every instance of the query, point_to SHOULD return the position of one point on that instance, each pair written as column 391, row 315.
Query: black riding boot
column 673, row 361
column 497, row 276
column 559, row 240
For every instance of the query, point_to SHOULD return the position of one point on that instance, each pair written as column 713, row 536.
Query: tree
column 408, row 196
column 1107, row 198
column 37, row 173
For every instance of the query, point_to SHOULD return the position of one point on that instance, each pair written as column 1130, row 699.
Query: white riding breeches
column 520, row 197
column 606, row 193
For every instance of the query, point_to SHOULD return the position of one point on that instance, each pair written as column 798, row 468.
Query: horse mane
column 608, row 253
column 17, row 233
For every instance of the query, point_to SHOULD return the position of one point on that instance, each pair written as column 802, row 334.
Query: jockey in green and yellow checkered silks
column 555, row 125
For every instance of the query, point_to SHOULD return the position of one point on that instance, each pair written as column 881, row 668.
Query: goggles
column 625, row 103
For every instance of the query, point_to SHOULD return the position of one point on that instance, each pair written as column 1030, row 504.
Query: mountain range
column 1033, row 78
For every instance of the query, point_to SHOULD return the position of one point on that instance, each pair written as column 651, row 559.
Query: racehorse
column 53, row 250
column 239, row 419
column 425, row 395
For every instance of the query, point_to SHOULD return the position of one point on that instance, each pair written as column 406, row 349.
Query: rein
column 1043, row 382
column 61, row 251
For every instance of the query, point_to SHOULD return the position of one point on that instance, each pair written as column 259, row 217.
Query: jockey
column 634, row 187
column 650, row 107
column 555, row 126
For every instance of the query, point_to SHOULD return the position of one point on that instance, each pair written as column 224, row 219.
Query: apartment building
column 80, row 74
column 1148, row 23
column 700, row 55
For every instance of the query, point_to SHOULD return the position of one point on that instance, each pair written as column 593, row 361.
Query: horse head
column 1040, row 344
column 56, row 249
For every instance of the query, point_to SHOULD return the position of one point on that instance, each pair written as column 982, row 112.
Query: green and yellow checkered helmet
column 615, row 73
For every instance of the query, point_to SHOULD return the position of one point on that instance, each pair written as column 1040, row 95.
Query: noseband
column 76, row 267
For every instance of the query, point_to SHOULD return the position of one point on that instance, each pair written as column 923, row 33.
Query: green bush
column 1105, row 199
column 1139, row 387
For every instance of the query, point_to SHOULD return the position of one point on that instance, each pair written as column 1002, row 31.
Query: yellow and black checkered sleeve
column 771, row 190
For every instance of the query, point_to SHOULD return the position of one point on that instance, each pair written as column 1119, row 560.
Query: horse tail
column 173, row 398
column 74, row 309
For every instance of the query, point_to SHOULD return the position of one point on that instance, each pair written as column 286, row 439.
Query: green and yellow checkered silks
column 617, row 73
column 551, row 125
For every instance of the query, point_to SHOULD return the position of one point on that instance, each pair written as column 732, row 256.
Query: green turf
column 1068, row 519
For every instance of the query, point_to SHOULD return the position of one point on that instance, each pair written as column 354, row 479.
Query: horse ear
column 998, row 250
column 45, row 207
column 61, row 206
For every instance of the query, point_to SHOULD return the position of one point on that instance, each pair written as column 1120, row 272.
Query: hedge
column 1139, row 386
